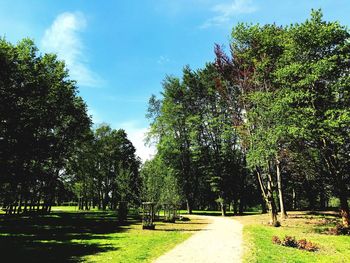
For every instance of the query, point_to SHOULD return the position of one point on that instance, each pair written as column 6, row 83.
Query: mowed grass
column 258, row 244
column 68, row 235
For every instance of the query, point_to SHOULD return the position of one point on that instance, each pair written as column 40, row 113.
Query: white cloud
column 226, row 11
column 137, row 136
column 63, row 38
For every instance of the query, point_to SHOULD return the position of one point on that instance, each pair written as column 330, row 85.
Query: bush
column 339, row 230
column 307, row 245
column 289, row 241
column 276, row 240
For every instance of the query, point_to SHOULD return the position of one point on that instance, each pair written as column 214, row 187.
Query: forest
column 264, row 126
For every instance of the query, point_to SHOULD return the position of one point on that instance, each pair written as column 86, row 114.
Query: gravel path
column 220, row 241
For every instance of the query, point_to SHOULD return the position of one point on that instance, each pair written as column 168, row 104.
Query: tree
column 194, row 135
column 105, row 169
column 293, row 85
column 315, row 71
column 41, row 118
column 159, row 183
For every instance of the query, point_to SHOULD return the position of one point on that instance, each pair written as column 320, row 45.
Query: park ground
column 68, row 235
column 313, row 226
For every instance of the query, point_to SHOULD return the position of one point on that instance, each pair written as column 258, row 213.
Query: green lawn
column 94, row 236
column 259, row 247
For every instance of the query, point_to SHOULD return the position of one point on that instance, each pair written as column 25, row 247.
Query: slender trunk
column 271, row 202
column 189, row 207
column 235, row 206
column 38, row 204
column 344, row 206
column 267, row 193
column 25, row 209
column 280, row 191
column 334, row 167
column 263, row 192
column 241, row 206
column 223, row 208
column 322, row 200
column 9, row 209
column 263, row 206
column 294, row 199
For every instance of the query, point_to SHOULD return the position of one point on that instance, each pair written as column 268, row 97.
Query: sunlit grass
column 137, row 245
column 259, row 247
column 95, row 236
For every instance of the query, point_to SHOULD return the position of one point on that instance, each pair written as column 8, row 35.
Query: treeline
column 104, row 170
column 270, row 121
column 48, row 152
column 197, row 143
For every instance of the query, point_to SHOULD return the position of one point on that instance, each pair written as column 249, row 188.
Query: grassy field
column 259, row 247
column 74, row 236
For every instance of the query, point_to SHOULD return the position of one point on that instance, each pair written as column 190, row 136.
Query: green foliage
column 159, row 183
column 293, row 86
column 195, row 138
column 41, row 121
column 105, row 169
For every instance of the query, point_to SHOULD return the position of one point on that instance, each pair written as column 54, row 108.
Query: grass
column 258, row 246
column 68, row 235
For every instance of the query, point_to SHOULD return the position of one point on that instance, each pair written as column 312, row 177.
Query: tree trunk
column 271, row 202
column 189, row 207
column 334, row 167
column 294, row 199
column 280, row 191
column 241, row 206
column 344, row 206
column 263, row 206
column 267, row 193
column 265, row 200
column 25, row 209
column 223, row 208
column 322, row 200
column 235, row 206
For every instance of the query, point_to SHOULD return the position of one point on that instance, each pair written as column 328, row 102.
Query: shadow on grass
column 335, row 214
column 58, row 237
column 179, row 230
column 218, row 213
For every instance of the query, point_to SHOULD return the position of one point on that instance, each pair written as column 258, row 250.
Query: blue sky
column 120, row 51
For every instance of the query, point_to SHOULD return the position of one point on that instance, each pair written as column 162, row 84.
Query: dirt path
column 220, row 241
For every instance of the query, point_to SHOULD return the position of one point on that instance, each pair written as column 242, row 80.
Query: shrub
column 307, row 245
column 302, row 243
column 340, row 230
column 289, row 241
column 276, row 240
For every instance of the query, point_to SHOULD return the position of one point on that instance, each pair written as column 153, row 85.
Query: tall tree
column 294, row 90
column 41, row 120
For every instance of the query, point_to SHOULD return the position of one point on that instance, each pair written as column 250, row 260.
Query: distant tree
column 105, row 169
column 159, row 183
